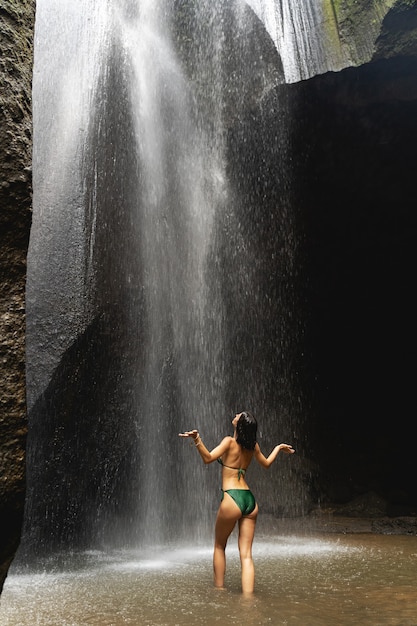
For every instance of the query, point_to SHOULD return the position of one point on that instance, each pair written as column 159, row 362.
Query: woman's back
column 234, row 459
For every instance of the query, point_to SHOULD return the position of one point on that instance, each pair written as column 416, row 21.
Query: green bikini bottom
column 244, row 498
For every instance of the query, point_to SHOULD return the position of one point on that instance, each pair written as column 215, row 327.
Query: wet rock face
column 16, row 37
column 398, row 33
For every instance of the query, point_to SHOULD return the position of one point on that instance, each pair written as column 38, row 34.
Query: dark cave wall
column 353, row 139
column 16, row 39
column 342, row 171
column 355, row 134
column 351, row 164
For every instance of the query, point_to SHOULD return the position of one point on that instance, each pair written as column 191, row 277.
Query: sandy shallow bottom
column 343, row 580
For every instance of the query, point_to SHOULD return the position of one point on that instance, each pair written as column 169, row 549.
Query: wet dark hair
column 246, row 430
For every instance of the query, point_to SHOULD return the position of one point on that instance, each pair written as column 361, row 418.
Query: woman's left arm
column 206, row 455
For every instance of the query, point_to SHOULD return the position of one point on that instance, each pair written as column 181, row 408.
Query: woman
column 238, row 503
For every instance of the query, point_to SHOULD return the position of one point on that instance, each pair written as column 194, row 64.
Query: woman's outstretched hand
column 189, row 433
column 285, row 447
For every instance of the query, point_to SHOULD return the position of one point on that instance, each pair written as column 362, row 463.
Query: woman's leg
column 227, row 516
column 246, row 534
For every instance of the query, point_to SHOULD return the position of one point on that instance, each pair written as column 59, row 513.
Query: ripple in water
column 344, row 580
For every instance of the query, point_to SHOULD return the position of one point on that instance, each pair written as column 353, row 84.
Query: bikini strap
column 240, row 470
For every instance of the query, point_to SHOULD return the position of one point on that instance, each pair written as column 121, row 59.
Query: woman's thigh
column 247, row 526
column 227, row 516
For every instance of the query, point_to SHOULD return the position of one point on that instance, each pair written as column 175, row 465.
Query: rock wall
column 16, row 41
column 354, row 134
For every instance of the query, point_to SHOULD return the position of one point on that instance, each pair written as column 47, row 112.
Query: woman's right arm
column 207, row 455
column 267, row 461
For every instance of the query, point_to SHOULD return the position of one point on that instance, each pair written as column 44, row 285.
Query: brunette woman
column 238, row 503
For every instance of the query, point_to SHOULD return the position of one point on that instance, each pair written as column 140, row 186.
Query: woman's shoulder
column 228, row 443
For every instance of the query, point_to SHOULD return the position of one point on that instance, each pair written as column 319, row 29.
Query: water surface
column 333, row 580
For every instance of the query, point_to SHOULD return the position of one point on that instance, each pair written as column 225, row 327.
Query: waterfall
column 146, row 314
column 305, row 34
column 181, row 184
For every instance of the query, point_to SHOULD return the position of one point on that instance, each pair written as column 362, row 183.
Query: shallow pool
column 354, row 580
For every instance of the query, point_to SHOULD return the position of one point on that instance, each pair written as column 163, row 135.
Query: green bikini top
column 240, row 470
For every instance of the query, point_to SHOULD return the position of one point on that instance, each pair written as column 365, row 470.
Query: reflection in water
column 346, row 580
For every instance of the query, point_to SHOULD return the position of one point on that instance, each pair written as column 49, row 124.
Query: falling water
column 145, row 312
column 305, row 34
column 182, row 184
